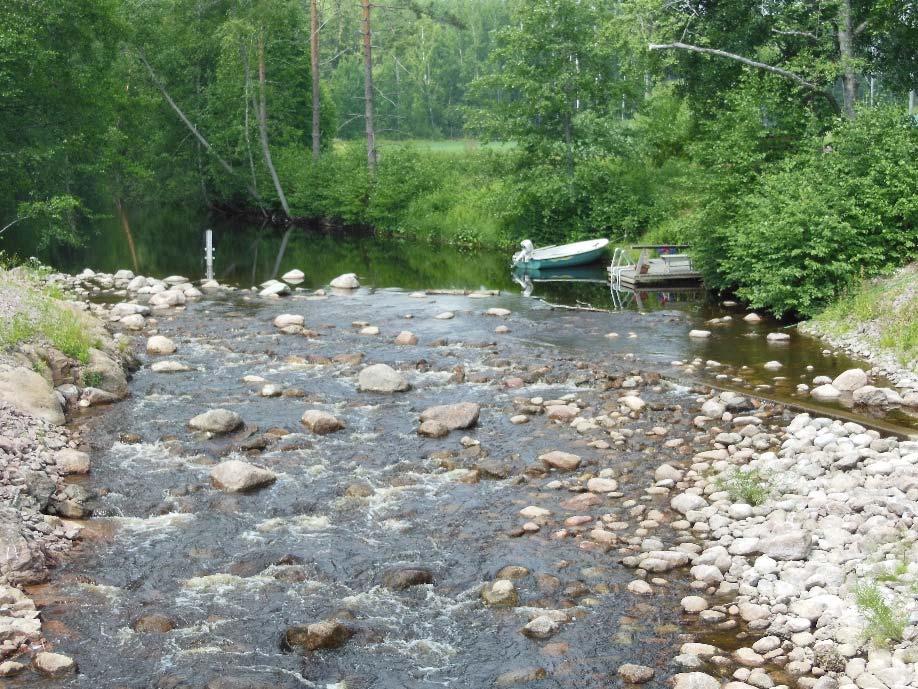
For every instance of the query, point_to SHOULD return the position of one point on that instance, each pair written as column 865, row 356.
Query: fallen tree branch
column 738, row 58
column 194, row 130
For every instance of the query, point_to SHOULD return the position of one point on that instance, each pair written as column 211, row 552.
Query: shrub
column 884, row 625
column 748, row 486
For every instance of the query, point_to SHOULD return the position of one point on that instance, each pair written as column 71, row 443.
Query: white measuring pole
column 209, row 253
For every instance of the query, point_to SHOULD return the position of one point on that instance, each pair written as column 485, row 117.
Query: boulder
column 686, row 502
column 791, row 545
column 602, row 485
column 236, row 476
column 497, row 312
column 159, row 344
column 71, row 461
column 406, row 338
column 695, row 680
column 108, row 372
column 777, row 337
column 53, row 664
column 346, row 281
column 453, row 416
column 635, row 674
column 287, row 319
column 28, row 391
column 562, row 461
column 540, row 627
column 169, row 366
column 153, row 624
column 499, row 594
column 752, row 317
column 401, row 579
column 850, row 380
column 825, row 392
column 327, row 634
column 381, row 378
column 699, row 334
column 433, row 429
column 216, row 421
column 871, row 396
column 274, row 289
column 294, row 275
column 320, row 422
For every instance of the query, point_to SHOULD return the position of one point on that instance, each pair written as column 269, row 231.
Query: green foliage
column 745, row 485
column 43, row 317
column 884, row 624
column 92, row 379
column 822, row 219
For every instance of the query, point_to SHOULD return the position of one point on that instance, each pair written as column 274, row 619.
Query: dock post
column 209, row 253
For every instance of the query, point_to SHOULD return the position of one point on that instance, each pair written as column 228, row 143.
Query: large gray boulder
column 791, row 545
column 850, row 380
column 108, row 371
column 216, row 421
column 236, row 476
column 453, row 416
column 381, row 378
column 28, row 391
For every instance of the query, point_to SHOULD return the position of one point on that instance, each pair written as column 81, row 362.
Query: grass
column 747, row 486
column 891, row 304
column 42, row 316
column 884, row 625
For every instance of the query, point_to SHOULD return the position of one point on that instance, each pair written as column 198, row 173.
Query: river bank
column 878, row 322
column 456, row 501
column 55, row 358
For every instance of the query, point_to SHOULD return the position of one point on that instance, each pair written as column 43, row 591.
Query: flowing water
column 233, row 571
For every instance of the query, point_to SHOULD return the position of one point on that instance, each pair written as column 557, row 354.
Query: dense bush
column 844, row 208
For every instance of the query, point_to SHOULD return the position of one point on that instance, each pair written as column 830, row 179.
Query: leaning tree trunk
column 314, row 55
column 368, row 87
column 263, row 125
column 846, row 55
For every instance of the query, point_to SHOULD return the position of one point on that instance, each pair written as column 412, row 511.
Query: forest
column 778, row 138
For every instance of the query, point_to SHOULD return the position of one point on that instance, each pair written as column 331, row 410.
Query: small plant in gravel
column 884, row 625
column 745, row 485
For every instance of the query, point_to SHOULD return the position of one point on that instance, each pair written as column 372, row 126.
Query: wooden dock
column 667, row 270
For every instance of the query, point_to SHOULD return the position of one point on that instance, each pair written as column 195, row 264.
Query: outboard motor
column 526, row 254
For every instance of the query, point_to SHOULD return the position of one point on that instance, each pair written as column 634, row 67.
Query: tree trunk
column 194, row 130
column 244, row 51
column 368, row 87
column 126, row 228
column 263, row 125
column 846, row 56
column 314, row 55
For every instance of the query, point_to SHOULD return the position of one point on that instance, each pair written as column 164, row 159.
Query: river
column 224, row 575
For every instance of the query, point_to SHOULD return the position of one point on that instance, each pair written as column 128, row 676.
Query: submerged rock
column 402, row 579
column 327, row 634
column 216, row 421
column 236, row 476
column 381, row 378
column 155, row 623
column 500, row 593
column 169, row 366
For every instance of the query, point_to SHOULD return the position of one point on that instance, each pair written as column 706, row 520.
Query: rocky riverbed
column 352, row 487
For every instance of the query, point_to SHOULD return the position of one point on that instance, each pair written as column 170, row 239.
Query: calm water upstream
column 231, row 572
column 652, row 326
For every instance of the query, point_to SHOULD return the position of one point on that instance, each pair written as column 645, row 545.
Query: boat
column 559, row 256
